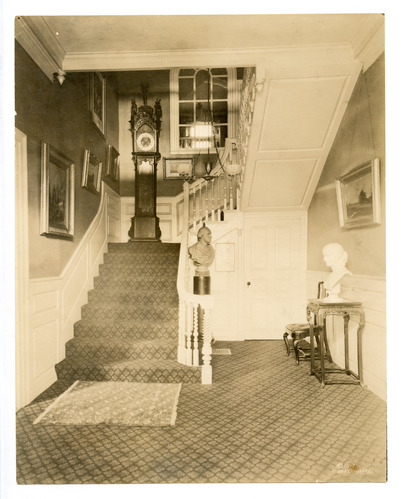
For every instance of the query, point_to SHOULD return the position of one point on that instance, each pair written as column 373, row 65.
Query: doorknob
column 248, row 283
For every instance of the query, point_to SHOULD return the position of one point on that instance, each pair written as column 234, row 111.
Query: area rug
column 114, row 403
column 221, row 351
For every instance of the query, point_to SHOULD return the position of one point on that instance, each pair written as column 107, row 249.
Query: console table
column 348, row 310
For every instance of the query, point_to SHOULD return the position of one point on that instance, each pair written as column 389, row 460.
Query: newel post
column 207, row 370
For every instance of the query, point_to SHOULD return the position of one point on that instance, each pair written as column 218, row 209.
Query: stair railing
column 206, row 201
column 210, row 198
column 195, row 311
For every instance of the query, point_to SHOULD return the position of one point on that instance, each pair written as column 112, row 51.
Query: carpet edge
column 175, row 406
column 45, row 412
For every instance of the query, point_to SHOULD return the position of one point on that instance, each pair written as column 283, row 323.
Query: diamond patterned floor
column 264, row 420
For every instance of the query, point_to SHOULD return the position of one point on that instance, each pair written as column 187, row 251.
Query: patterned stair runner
column 129, row 327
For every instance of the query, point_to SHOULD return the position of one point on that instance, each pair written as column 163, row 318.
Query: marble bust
column 336, row 258
column 202, row 253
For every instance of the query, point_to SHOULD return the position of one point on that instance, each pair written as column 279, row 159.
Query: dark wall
column 59, row 115
column 361, row 137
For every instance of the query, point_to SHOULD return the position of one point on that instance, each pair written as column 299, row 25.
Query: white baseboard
column 55, row 302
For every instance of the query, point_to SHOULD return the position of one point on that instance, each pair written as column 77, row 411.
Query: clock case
column 145, row 119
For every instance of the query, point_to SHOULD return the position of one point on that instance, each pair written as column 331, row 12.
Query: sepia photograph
column 210, row 305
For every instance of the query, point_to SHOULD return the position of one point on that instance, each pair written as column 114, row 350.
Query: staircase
column 129, row 328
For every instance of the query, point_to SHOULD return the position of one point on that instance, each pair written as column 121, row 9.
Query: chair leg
column 295, row 348
column 285, row 339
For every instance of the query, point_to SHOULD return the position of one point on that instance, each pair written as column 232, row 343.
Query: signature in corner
column 350, row 469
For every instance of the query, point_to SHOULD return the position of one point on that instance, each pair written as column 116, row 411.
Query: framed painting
column 91, row 173
column 113, row 163
column 98, row 101
column 358, row 196
column 175, row 167
column 57, row 193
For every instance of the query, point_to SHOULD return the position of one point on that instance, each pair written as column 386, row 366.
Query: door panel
column 274, row 271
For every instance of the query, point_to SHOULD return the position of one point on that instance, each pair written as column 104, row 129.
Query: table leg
column 285, row 339
column 359, row 345
column 347, row 360
column 322, row 343
column 311, row 348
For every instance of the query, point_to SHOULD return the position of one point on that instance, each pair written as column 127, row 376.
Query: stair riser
column 127, row 313
column 135, row 332
column 84, row 352
column 166, row 260
column 118, row 297
column 129, row 328
column 138, row 273
column 135, row 375
column 133, row 283
column 143, row 248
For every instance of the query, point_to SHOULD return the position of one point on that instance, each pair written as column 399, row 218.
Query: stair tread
column 127, row 363
column 123, row 322
column 129, row 327
column 125, row 341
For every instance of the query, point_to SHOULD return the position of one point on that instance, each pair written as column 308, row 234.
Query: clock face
column 146, row 142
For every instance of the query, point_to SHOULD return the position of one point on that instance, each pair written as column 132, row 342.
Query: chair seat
column 297, row 327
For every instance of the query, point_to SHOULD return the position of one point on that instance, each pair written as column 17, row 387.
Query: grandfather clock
column 145, row 129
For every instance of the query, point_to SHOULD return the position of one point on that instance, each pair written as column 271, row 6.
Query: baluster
column 188, row 335
column 194, row 207
column 218, row 199
column 195, row 335
column 200, row 202
column 213, row 202
column 182, row 333
column 206, row 202
column 238, row 194
column 206, row 350
column 231, row 194
column 225, row 193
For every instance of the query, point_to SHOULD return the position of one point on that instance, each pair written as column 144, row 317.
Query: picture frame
column 173, row 167
column 57, row 193
column 98, row 101
column 91, row 173
column 113, row 163
column 358, row 196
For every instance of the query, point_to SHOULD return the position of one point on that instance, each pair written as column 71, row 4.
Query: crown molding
column 166, row 59
column 28, row 39
column 47, row 38
column 369, row 42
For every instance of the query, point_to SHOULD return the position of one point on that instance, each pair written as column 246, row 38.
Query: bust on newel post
column 202, row 254
column 335, row 257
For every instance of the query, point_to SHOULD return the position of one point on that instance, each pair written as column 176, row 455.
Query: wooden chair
column 298, row 333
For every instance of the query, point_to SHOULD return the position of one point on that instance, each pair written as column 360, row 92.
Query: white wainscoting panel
column 55, row 302
column 371, row 291
column 168, row 210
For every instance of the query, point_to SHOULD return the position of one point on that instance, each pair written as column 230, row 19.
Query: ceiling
column 307, row 66
column 145, row 33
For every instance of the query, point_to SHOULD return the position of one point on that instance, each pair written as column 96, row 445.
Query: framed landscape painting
column 57, row 193
column 113, row 163
column 91, row 174
column 174, row 168
column 98, row 101
column 358, row 196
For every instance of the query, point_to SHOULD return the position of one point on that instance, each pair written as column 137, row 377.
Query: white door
column 22, row 335
column 274, row 272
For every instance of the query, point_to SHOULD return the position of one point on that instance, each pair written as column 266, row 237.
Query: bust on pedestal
column 202, row 254
column 336, row 258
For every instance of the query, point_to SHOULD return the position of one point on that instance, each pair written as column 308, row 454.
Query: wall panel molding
column 56, row 301
column 371, row 291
